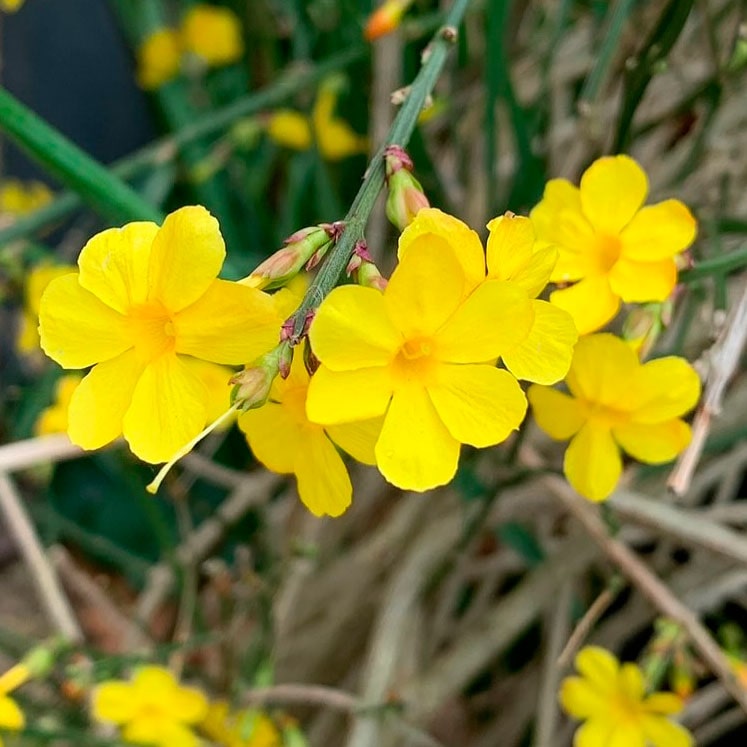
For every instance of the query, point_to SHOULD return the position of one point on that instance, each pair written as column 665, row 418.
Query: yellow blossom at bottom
column 611, row 699
column 248, row 728
column 616, row 402
column 152, row 709
column 286, row 441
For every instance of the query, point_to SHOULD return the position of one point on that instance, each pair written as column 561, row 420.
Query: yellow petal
column 559, row 220
column 217, row 385
column 612, row 189
column 510, row 243
column 76, row 329
column 168, row 409
column 631, row 682
column 559, row 415
column 99, row 403
column 591, row 302
column 290, row 129
column 663, row 389
column 641, row 282
column 604, row 369
column 537, row 273
column 187, row 704
column 274, row 435
column 212, row 33
column 425, row 289
column 345, row 396
column 492, row 320
column 627, row 734
column 11, row 716
column 336, row 140
column 230, row 323
column 544, row 355
column 442, row 232
column 160, row 733
column 594, row 733
column 598, row 666
column 581, row 699
column 158, row 59
column 358, row 439
column 186, row 257
column 152, row 681
column 653, row 443
column 323, row 482
column 479, row 404
column 665, row 704
column 592, row 462
column 352, row 330
column 38, row 280
column 113, row 702
column 659, row 232
column 415, row 451
column 114, row 265
column 662, row 732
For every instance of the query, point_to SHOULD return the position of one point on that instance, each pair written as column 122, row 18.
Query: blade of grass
column 95, row 185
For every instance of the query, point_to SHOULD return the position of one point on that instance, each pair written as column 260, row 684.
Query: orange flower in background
column 615, row 403
column 144, row 305
column 385, row 19
column 611, row 247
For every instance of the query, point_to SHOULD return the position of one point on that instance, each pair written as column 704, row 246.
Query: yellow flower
column 417, row 354
column 11, row 6
column 19, row 198
column 284, row 439
column 153, row 708
column 53, row 419
column 147, row 299
column 11, row 716
column 544, row 354
column 334, row 137
column 38, row 280
column 248, row 728
column 612, row 701
column 616, row 402
column 212, row 33
column 158, row 59
column 613, row 246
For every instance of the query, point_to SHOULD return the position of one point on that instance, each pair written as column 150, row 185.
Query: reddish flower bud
column 406, row 199
column 385, row 18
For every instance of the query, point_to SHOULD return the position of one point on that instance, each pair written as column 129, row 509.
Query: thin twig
column 655, row 590
column 50, row 591
column 724, row 360
column 33, row 451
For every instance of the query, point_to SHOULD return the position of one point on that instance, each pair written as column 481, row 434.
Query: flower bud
column 385, row 18
column 406, row 199
column 252, row 385
column 644, row 324
column 299, row 250
column 363, row 268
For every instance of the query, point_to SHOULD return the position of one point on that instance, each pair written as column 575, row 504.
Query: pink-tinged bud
column 406, row 199
column 368, row 275
column 251, row 387
column 298, row 251
column 285, row 359
column 395, row 159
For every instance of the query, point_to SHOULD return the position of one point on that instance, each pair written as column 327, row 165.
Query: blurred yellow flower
column 334, row 137
column 151, row 709
column 158, row 58
column 613, row 246
column 11, row 6
column 416, row 354
column 248, row 728
column 11, row 716
column 213, row 34
column 284, row 439
column 145, row 302
column 38, row 280
column 611, row 699
column 543, row 355
column 20, row 198
column 616, row 402
column 53, row 419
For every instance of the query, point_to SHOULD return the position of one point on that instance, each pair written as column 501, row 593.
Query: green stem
column 81, row 173
column 716, row 266
column 373, row 181
column 167, row 148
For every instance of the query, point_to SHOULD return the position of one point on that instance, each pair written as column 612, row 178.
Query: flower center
column 152, row 330
column 626, row 710
column 608, row 250
column 605, row 415
column 415, row 360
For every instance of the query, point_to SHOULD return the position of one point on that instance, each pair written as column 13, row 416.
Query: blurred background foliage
column 451, row 600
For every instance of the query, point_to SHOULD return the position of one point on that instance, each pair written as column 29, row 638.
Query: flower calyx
column 363, row 268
